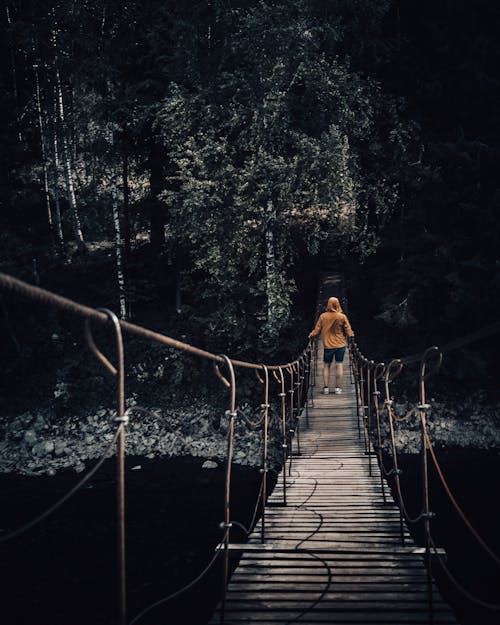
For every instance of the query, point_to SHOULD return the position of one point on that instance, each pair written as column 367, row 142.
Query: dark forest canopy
column 217, row 147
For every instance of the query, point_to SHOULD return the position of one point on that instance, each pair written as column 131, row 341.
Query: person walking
column 334, row 327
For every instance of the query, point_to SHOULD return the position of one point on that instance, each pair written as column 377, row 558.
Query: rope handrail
column 182, row 590
column 455, row 503
column 494, row 607
column 434, row 355
column 24, row 289
column 298, row 382
column 55, row 506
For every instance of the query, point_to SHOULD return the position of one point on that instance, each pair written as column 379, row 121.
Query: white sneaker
column 338, row 391
column 326, row 390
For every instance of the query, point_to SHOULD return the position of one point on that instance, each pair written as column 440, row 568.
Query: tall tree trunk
column 126, row 206
column 157, row 218
column 55, row 178
column 43, row 152
column 118, row 253
column 271, row 282
column 178, row 291
column 13, row 70
column 77, row 228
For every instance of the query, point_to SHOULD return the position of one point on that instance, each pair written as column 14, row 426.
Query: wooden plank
column 333, row 554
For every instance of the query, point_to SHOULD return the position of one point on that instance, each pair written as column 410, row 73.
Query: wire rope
column 484, row 604
column 31, row 524
column 457, row 507
column 182, row 590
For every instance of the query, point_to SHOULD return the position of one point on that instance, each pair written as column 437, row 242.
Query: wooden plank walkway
column 333, row 554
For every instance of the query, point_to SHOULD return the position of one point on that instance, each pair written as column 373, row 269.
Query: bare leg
column 326, row 374
column 339, row 375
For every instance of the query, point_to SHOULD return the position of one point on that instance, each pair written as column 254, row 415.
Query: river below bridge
column 65, row 570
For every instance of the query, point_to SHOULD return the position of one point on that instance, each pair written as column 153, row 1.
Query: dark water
column 64, row 571
column 473, row 478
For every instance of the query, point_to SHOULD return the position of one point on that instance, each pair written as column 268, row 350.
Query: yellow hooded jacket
column 333, row 325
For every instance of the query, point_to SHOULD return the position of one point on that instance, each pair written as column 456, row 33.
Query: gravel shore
column 42, row 444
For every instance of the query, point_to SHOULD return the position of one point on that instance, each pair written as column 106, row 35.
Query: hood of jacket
column 333, row 305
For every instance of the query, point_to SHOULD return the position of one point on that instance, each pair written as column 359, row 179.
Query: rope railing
column 294, row 381
column 296, row 388
column 26, row 527
column 366, row 375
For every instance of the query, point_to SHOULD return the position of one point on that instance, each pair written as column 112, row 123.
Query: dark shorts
column 338, row 352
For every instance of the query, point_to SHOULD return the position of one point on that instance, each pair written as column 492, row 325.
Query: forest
column 190, row 164
column 194, row 165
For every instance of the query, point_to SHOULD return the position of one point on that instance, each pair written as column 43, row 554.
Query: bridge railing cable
column 291, row 411
column 26, row 527
column 367, row 374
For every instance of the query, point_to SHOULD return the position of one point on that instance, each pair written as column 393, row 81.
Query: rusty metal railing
column 224, row 368
column 367, row 374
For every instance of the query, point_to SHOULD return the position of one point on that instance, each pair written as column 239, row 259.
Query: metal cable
column 323, row 592
column 256, row 508
column 24, row 528
column 184, row 588
column 484, row 604
column 459, row 510
column 23, row 289
column 316, row 529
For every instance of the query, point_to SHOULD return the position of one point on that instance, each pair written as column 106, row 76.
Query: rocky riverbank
column 470, row 424
column 43, row 444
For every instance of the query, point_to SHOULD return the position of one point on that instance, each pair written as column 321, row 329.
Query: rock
column 39, row 424
column 209, row 464
column 48, row 447
column 59, row 447
column 30, row 437
column 41, row 449
column 79, row 467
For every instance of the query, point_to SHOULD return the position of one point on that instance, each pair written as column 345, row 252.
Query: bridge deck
column 333, row 554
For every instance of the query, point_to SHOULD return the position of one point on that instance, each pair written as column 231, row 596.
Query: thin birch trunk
column 126, row 207
column 68, row 168
column 55, row 178
column 118, row 253
column 13, row 71
column 178, row 291
column 270, row 267
column 44, row 152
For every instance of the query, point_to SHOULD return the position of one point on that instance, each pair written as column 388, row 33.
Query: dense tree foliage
column 437, row 271
column 239, row 137
column 218, row 147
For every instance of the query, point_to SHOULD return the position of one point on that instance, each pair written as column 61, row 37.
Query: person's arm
column 317, row 329
column 347, row 328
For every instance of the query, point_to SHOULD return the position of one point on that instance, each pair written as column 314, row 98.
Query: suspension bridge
column 338, row 551
column 331, row 544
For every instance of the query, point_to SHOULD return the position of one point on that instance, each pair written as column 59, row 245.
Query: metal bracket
column 428, row 515
column 125, row 419
column 424, row 407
